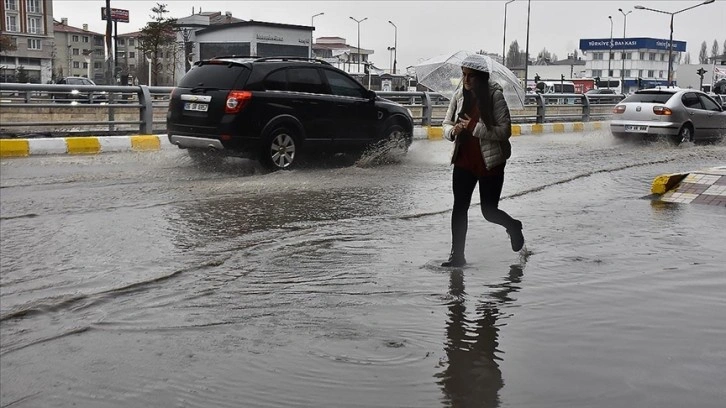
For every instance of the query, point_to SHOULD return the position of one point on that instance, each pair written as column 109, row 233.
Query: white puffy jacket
column 494, row 142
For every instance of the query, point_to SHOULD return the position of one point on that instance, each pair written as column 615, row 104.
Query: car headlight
column 74, row 92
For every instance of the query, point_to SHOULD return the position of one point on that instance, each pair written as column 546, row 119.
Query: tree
column 515, row 57
column 687, row 58
column 714, row 49
column 155, row 37
column 21, row 75
column 703, row 55
column 544, row 55
column 7, row 43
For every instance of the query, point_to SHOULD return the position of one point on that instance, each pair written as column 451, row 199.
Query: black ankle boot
column 455, row 260
column 516, row 237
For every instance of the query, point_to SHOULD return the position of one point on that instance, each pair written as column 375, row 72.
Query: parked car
column 603, row 95
column 679, row 114
column 79, row 95
column 279, row 108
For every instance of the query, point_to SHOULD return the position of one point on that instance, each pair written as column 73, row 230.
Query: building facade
column 28, row 24
column 631, row 59
column 78, row 52
column 206, row 35
column 335, row 51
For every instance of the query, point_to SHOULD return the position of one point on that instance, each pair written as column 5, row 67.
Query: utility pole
column 109, row 48
column 526, row 52
column 395, row 45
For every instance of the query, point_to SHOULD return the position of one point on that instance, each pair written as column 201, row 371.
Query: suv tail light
column 236, row 100
column 662, row 110
column 619, row 109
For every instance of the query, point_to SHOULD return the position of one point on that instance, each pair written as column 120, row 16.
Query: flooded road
column 144, row 280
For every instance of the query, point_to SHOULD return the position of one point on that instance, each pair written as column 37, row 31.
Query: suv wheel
column 395, row 137
column 280, row 149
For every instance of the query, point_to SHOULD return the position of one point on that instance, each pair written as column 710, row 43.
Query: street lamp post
column 392, row 50
column 359, row 21
column 526, row 52
column 610, row 54
column 622, row 71
column 395, row 45
column 504, row 37
column 670, row 42
column 312, row 24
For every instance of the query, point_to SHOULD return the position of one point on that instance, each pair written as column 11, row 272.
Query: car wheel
column 394, row 137
column 280, row 149
column 684, row 135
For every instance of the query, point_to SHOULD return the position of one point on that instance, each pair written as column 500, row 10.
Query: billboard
column 631, row 44
column 119, row 15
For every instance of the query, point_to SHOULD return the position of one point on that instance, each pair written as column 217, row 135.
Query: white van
column 549, row 87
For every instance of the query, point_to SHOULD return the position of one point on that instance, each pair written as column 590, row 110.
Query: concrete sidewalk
column 140, row 143
column 707, row 186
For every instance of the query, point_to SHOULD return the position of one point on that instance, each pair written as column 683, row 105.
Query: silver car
column 679, row 114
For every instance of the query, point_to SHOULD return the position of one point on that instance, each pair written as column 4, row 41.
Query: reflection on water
column 472, row 377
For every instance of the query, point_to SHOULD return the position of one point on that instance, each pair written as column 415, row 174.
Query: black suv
column 275, row 109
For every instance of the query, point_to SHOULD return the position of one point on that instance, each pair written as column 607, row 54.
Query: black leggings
column 490, row 190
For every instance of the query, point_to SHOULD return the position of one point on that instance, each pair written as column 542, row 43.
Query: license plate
column 193, row 106
column 636, row 128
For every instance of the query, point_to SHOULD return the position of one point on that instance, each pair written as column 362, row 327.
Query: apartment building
column 78, row 52
column 131, row 64
column 29, row 26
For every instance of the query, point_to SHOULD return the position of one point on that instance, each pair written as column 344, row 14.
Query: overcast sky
column 430, row 28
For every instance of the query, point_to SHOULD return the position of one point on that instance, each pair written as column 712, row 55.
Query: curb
column 141, row 143
column 437, row 132
column 706, row 186
column 79, row 145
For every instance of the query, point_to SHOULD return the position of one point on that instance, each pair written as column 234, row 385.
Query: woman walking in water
column 479, row 124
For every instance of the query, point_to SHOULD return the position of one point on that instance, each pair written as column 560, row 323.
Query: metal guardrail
column 79, row 109
column 51, row 109
column 538, row 108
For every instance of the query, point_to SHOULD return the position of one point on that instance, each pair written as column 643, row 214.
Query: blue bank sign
column 631, row 44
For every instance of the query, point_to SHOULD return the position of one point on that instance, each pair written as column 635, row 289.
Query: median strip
column 79, row 145
column 437, row 132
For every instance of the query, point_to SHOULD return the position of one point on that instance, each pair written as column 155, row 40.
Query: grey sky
column 429, row 28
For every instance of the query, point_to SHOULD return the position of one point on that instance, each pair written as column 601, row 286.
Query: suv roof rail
column 234, row 56
column 292, row 59
column 279, row 58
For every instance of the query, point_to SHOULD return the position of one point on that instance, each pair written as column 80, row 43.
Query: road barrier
column 38, row 110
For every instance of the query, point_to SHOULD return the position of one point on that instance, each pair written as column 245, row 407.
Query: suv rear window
column 649, row 97
column 220, row 76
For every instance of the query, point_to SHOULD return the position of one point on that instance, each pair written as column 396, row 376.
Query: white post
column 148, row 60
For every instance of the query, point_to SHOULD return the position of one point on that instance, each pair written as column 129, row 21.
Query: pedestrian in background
column 479, row 124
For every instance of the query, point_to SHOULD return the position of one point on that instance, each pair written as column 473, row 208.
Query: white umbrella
column 442, row 74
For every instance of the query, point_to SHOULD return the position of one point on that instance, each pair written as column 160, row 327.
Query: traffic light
column 700, row 72
column 536, row 78
column 562, row 77
column 597, row 79
column 640, row 83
